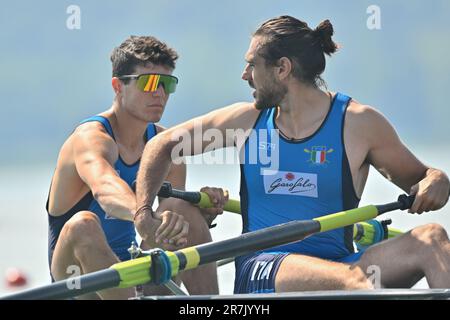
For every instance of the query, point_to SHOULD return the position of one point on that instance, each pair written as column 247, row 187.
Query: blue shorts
column 256, row 273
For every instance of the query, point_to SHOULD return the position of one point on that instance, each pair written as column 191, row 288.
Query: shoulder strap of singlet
column 103, row 121
column 335, row 116
column 342, row 101
column 151, row 131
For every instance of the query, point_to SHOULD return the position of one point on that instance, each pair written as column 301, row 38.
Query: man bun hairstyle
column 324, row 32
column 286, row 36
column 141, row 51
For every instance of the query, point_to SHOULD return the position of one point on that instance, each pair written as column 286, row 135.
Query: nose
column 159, row 92
column 246, row 74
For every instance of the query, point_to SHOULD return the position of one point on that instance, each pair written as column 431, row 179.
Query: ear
column 284, row 68
column 116, row 85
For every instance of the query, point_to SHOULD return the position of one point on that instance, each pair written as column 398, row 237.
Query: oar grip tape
column 165, row 191
column 406, row 201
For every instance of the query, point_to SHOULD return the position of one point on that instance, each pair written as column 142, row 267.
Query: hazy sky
column 53, row 77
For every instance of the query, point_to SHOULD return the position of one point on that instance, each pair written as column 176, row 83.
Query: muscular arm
column 394, row 161
column 161, row 150
column 176, row 175
column 95, row 153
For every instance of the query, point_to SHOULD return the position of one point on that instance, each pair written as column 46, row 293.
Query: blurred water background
column 53, row 77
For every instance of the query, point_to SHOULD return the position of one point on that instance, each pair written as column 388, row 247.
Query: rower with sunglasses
column 91, row 204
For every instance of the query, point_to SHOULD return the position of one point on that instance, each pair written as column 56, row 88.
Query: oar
column 195, row 197
column 364, row 233
column 146, row 269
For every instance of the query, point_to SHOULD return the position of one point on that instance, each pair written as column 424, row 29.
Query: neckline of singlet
column 293, row 140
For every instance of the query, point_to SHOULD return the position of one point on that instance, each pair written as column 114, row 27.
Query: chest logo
column 291, row 183
column 318, row 155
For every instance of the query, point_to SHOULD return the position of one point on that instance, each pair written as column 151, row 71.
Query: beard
column 270, row 96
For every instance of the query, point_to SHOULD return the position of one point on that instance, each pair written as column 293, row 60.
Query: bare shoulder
column 366, row 121
column 92, row 137
column 357, row 111
column 91, row 130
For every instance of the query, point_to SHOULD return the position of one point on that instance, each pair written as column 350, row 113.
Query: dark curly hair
column 139, row 51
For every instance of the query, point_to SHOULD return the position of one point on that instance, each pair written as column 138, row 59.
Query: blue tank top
column 312, row 179
column 119, row 233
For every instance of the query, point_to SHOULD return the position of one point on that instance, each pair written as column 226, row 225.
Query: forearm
column 154, row 168
column 116, row 198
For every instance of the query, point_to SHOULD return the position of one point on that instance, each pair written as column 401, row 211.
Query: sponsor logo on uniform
column 290, row 183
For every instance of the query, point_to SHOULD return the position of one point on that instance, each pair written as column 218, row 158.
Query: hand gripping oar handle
column 199, row 198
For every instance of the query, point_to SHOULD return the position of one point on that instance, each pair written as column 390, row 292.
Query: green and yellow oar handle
column 195, row 197
column 162, row 265
column 365, row 233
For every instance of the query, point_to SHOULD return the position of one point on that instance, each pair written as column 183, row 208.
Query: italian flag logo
column 318, row 154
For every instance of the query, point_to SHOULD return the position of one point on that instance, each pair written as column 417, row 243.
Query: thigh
column 394, row 260
column 305, row 273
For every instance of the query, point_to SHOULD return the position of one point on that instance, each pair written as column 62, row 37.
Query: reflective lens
column 151, row 82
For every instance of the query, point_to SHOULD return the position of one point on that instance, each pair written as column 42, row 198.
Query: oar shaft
column 136, row 271
column 72, row 287
column 257, row 240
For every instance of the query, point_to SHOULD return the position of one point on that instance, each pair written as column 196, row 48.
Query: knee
column 81, row 227
column 198, row 228
column 430, row 234
column 358, row 280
